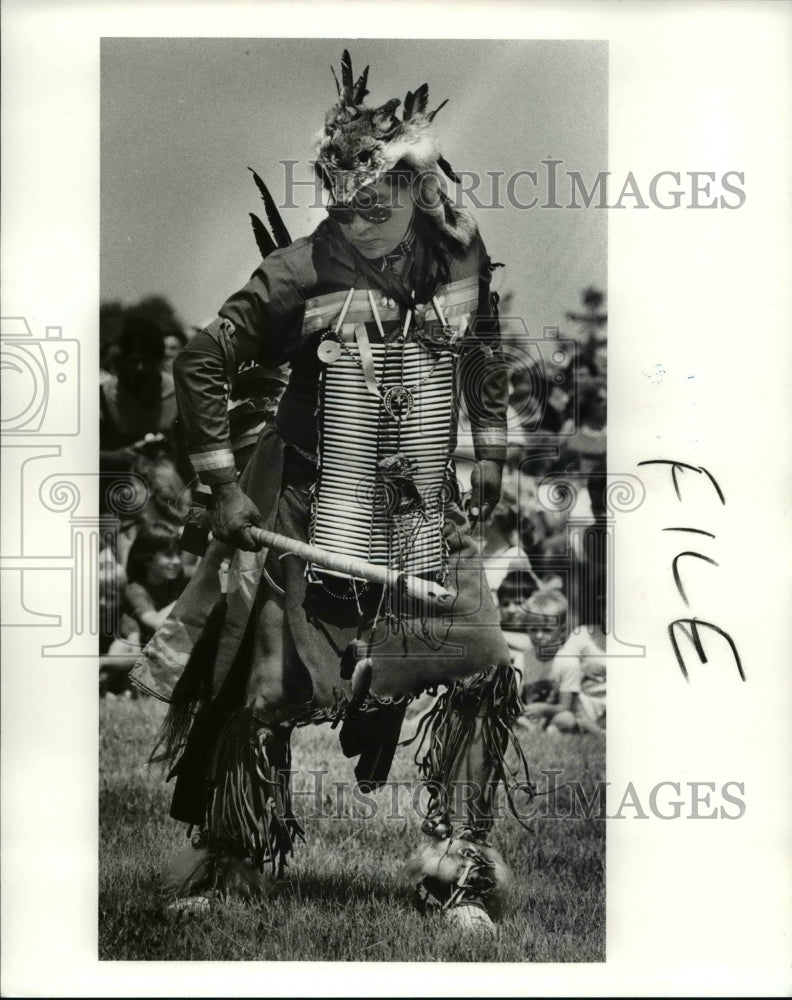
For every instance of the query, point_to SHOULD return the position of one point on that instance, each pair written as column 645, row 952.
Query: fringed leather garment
column 278, row 649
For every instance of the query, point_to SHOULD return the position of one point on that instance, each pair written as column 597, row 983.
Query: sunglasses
column 346, row 213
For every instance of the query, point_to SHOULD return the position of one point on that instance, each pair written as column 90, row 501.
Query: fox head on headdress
column 359, row 145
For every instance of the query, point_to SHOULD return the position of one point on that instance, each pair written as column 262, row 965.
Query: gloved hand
column 485, row 484
column 231, row 516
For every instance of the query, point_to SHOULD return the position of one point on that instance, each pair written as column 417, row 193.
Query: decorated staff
column 385, row 318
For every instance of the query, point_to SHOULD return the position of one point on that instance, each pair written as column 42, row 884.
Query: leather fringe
column 447, row 731
column 192, row 690
column 249, row 812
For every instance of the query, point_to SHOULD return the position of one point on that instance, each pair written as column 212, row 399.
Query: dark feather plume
column 386, row 110
column 447, row 169
column 279, row 230
column 346, row 77
column 421, row 98
column 360, row 86
column 265, row 242
column 438, row 108
column 408, row 106
column 384, row 121
column 338, row 85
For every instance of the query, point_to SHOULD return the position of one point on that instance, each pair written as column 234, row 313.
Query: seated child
column 575, row 701
column 512, row 593
column 155, row 577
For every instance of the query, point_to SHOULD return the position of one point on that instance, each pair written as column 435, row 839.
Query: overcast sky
column 182, row 119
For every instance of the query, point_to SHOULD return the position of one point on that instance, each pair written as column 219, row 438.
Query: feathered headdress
column 359, row 145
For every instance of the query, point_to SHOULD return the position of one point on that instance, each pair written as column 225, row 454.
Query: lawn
column 346, row 897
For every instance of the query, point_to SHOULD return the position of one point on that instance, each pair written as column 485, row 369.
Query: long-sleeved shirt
column 267, row 321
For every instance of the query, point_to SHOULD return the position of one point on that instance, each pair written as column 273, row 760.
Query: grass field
column 346, row 897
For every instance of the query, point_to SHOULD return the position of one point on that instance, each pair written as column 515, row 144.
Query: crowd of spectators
column 543, row 547
column 145, row 481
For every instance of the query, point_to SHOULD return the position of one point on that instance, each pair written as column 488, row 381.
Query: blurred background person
column 111, row 323
column 155, row 577
column 174, row 341
column 137, row 398
column 573, row 678
column 513, row 592
column 119, row 638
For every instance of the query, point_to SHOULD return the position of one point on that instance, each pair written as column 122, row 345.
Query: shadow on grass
column 316, row 887
column 347, row 897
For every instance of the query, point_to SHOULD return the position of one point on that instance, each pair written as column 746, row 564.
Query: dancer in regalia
column 385, row 317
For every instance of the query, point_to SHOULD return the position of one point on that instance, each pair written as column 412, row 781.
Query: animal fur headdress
column 359, row 145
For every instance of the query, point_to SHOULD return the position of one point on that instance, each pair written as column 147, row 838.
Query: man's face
column 375, row 239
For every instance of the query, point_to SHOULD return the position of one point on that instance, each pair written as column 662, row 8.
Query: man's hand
column 232, row 515
column 485, row 484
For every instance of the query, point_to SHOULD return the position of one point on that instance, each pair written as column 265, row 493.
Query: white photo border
column 699, row 370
